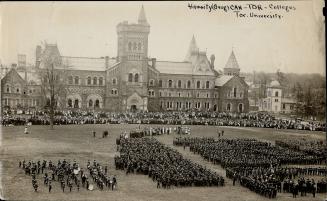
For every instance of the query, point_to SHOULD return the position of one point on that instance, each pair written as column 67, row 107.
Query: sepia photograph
column 163, row 100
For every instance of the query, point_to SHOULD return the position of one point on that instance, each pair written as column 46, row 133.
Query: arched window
column 179, row 84
column 70, row 103
column 170, row 83
column 139, row 46
column 97, row 103
column 95, row 81
column 234, row 92
column 276, row 94
column 76, row 103
column 240, row 107
column 8, row 88
column 17, row 89
column 100, row 81
column 129, row 46
column 76, row 80
column 207, row 84
column 151, row 82
column 90, row 103
column 136, row 78
column 229, row 107
column 198, row 84
column 130, row 77
column 89, row 80
column 114, row 81
column 160, row 83
column 70, row 80
column 134, row 46
column 188, row 84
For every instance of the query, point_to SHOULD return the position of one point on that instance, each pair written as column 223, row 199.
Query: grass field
column 76, row 142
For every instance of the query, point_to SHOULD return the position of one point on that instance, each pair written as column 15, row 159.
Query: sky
column 294, row 43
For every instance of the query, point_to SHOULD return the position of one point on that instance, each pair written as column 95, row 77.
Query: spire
column 142, row 18
column 192, row 49
column 232, row 62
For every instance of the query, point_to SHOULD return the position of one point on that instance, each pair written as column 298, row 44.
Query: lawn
column 76, row 142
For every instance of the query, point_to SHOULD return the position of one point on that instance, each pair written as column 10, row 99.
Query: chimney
column 212, row 61
column 107, row 61
column 154, row 60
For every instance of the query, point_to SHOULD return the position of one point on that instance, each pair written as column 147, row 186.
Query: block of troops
column 254, row 164
column 68, row 174
column 164, row 165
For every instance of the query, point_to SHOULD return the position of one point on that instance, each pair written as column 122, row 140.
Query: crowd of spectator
column 261, row 120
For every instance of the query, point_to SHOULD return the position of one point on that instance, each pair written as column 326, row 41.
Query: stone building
column 132, row 81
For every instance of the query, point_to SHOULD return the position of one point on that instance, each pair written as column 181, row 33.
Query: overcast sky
column 293, row 44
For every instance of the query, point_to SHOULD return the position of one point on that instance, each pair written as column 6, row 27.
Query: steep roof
column 222, row 80
column 32, row 77
column 232, row 62
column 142, row 18
column 169, row 67
column 86, row 63
column 193, row 48
column 274, row 83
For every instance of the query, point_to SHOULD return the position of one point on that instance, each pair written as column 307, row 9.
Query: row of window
column 133, row 77
column 134, row 46
column 179, row 84
column 76, row 103
column 183, row 105
column 21, row 102
column 17, row 89
column 180, row 94
column 90, row 81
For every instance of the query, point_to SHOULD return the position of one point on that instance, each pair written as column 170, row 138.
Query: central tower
column 132, row 56
column 133, row 39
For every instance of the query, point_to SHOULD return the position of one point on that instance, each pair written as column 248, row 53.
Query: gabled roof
column 222, row 80
column 32, row 77
column 232, row 62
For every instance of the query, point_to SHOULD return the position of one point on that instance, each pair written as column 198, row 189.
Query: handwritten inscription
column 247, row 10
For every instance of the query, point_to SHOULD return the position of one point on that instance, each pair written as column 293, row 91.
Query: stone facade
column 134, row 82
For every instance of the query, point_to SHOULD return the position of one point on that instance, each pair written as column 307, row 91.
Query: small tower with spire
column 232, row 67
column 192, row 50
column 130, row 47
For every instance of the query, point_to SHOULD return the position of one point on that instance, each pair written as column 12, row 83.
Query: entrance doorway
column 240, row 107
column 133, row 108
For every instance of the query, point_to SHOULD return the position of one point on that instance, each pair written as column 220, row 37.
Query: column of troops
column 164, row 165
column 256, row 165
column 68, row 174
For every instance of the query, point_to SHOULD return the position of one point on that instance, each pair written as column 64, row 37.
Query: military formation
column 175, row 118
column 164, row 165
column 258, row 165
column 69, row 175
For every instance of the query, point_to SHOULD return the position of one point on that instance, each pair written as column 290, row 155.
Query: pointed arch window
column 70, row 80
column 130, row 77
column 136, row 77
column 95, row 81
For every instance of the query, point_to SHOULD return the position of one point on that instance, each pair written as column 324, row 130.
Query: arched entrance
column 135, row 103
column 240, row 108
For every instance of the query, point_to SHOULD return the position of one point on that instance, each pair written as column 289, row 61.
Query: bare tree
column 53, row 84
